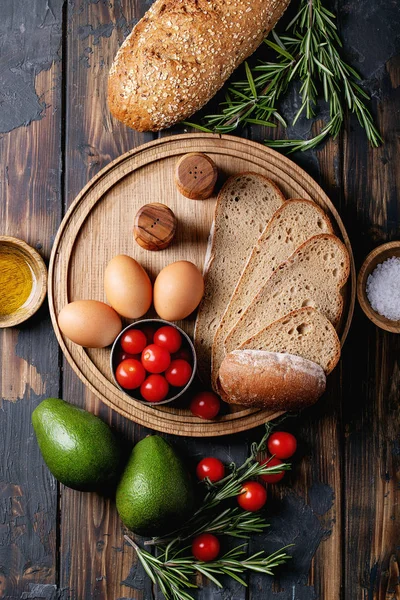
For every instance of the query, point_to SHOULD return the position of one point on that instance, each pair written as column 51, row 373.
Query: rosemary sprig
column 173, row 565
column 309, row 52
column 234, row 523
column 171, row 571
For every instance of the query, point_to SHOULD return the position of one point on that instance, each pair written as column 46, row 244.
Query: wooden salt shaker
column 155, row 226
column 196, row 175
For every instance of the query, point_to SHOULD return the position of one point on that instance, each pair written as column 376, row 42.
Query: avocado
column 155, row 493
column 79, row 448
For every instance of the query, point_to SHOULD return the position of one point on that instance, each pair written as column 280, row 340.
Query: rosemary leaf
column 307, row 51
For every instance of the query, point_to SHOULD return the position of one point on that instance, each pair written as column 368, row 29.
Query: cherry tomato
column 133, row 341
column 184, row 354
column 155, row 388
column 205, row 547
column 282, row 444
column 130, row 374
column 253, row 496
column 205, row 405
column 169, row 338
column 274, row 477
column 212, row 468
column 178, row 373
column 155, row 359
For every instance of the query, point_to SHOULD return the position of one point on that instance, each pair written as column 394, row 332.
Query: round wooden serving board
column 99, row 225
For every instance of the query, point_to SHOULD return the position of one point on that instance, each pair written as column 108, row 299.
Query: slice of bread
column 244, row 207
column 304, row 332
column 312, row 276
column 292, row 224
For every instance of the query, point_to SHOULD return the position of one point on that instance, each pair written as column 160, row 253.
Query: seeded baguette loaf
column 304, row 332
column 181, row 53
column 256, row 378
column 292, row 224
column 313, row 276
column 244, row 206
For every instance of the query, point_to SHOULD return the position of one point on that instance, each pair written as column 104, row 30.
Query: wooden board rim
column 245, row 419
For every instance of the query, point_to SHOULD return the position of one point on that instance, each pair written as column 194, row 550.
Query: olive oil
column 16, row 280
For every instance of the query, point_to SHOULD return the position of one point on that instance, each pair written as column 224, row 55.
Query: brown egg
column 89, row 323
column 178, row 289
column 128, row 287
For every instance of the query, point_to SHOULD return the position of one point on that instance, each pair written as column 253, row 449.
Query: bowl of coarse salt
column 378, row 286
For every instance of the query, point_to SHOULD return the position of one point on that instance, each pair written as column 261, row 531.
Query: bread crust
column 181, row 53
column 272, row 380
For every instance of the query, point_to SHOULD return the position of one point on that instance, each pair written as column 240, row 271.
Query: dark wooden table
column 340, row 505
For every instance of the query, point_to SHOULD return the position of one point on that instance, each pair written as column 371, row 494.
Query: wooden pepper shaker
column 196, row 175
column 155, row 226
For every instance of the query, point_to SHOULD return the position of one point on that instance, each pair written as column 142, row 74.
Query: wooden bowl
column 39, row 281
column 157, row 323
column 374, row 258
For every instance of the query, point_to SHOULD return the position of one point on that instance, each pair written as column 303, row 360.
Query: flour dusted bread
column 244, row 206
column 180, row 54
column 279, row 381
column 284, row 365
column 304, row 332
column 293, row 223
column 313, row 276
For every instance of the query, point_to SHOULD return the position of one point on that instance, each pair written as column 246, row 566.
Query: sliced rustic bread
column 312, row 276
column 304, row 332
column 244, row 206
column 292, row 224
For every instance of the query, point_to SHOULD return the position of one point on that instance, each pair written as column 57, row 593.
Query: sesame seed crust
column 181, row 53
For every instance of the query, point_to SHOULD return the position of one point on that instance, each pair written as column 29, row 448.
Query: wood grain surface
column 340, row 504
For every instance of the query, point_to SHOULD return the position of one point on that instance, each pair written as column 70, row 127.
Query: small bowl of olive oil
column 23, row 281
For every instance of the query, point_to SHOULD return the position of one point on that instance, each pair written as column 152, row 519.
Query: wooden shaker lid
column 196, row 175
column 155, row 226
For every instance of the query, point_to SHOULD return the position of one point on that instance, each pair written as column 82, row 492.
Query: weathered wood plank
column 93, row 559
column 30, row 208
column 371, row 369
column 372, row 372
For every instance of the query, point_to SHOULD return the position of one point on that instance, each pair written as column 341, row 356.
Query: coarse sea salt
column 383, row 288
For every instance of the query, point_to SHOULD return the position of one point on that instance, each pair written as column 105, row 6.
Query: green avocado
column 79, row 448
column 155, row 494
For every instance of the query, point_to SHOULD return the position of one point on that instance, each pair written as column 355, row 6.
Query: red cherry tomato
column 169, row 338
column 282, row 444
column 253, row 496
column 205, row 547
column 155, row 359
column 205, row 405
column 133, row 341
column 178, row 373
column 274, row 477
column 212, row 468
column 130, row 374
column 184, row 354
column 155, row 388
